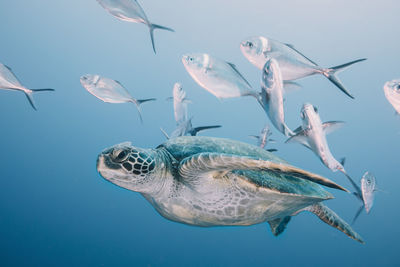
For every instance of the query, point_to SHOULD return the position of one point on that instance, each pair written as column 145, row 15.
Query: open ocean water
column 56, row 210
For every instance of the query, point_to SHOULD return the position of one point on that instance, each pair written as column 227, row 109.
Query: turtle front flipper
column 193, row 167
column 330, row 217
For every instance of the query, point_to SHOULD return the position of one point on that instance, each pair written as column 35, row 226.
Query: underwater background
column 56, row 209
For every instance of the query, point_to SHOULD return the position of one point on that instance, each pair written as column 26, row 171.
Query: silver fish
column 180, row 103
column 392, row 93
column 312, row 134
column 8, row 81
column 263, row 139
column 366, row 194
column 185, row 128
column 110, row 91
column 218, row 77
column 294, row 65
column 271, row 96
column 368, row 189
column 131, row 11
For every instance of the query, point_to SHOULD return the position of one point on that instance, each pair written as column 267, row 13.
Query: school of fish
column 279, row 65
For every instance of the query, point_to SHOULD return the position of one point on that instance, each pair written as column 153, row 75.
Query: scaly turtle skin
column 207, row 181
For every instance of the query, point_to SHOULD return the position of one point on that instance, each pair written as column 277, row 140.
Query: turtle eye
column 120, row 155
column 316, row 110
column 250, row 44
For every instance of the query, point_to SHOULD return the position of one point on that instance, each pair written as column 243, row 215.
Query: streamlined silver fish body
column 368, row 188
column 180, row 103
column 271, row 96
column 264, row 137
column 110, row 91
column 392, row 93
column 294, row 65
column 218, row 77
column 313, row 135
column 131, row 11
column 8, row 81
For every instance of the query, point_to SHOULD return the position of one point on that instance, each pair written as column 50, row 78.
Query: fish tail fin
column 198, row 129
column 154, row 27
column 287, row 132
column 141, row 101
column 330, row 73
column 357, row 214
column 29, row 95
column 138, row 102
column 330, row 217
column 358, row 193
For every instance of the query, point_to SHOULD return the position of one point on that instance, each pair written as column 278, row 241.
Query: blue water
column 57, row 211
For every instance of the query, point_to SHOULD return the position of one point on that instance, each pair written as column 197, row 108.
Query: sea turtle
column 208, row 181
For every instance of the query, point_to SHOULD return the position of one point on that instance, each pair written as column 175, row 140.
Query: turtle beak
column 101, row 166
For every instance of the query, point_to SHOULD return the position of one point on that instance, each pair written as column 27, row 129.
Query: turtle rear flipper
column 279, row 225
column 330, row 217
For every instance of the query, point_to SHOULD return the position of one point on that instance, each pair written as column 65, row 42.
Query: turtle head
column 127, row 166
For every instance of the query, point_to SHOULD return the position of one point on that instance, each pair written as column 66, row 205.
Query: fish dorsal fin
column 299, row 137
column 330, row 217
column 297, row 51
column 120, row 84
column 194, row 167
column 279, row 225
column 331, row 126
column 233, row 66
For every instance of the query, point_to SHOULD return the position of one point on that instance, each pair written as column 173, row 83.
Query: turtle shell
column 187, row 146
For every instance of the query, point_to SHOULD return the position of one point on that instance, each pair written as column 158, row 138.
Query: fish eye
column 191, row 59
column 250, row 44
column 315, row 109
column 302, row 115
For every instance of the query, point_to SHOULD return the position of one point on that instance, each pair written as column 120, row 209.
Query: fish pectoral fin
column 299, row 137
column 279, row 225
column 290, row 86
column 331, row 126
column 330, row 217
column 233, row 66
column 193, row 167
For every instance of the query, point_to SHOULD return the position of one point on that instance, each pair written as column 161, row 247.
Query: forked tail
column 153, row 27
column 30, row 93
column 138, row 102
column 330, row 73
